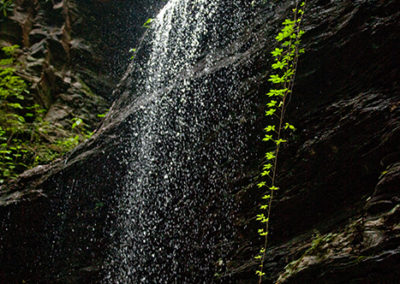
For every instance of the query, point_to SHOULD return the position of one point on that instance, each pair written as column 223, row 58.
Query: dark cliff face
column 336, row 219
column 71, row 55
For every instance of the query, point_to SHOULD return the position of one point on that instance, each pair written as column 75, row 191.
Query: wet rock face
column 112, row 28
column 336, row 219
column 73, row 52
column 341, row 166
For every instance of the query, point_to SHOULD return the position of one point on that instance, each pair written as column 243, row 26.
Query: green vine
column 285, row 66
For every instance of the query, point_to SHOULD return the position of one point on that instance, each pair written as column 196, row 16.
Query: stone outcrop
column 73, row 52
column 336, row 218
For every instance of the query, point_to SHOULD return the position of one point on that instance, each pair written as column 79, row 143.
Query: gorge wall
column 336, row 217
column 72, row 53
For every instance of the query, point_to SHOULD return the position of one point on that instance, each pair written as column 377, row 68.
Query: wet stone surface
column 336, row 218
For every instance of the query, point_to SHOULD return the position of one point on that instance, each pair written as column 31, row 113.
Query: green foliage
column 147, row 24
column 24, row 139
column 133, row 51
column 80, row 134
column 284, row 68
column 12, row 116
column 101, row 115
column 6, row 6
column 318, row 248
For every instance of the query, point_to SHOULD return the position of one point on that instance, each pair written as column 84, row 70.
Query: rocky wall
column 336, row 217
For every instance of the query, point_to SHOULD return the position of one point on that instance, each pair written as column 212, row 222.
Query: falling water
column 174, row 207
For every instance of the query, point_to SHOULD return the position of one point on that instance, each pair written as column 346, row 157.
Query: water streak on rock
column 163, row 232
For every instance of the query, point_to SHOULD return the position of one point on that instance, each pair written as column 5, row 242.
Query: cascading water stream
column 174, row 208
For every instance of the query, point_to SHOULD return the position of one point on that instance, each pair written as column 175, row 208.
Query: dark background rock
column 336, row 219
column 345, row 110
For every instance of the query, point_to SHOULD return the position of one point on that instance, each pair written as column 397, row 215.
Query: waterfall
column 174, row 208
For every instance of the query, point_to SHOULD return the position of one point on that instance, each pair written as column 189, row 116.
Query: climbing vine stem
column 284, row 71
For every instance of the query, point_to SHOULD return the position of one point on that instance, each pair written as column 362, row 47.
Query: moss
column 26, row 139
column 86, row 89
column 314, row 254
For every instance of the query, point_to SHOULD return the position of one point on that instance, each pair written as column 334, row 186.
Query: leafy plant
column 6, row 6
column 284, row 67
column 12, row 117
column 133, row 51
column 24, row 142
column 81, row 128
column 80, row 133
column 147, row 24
column 101, row 115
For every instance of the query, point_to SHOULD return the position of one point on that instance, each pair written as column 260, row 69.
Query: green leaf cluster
column 148, row 23
column 133, row 51
column 24, row 139
column 6, row 6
